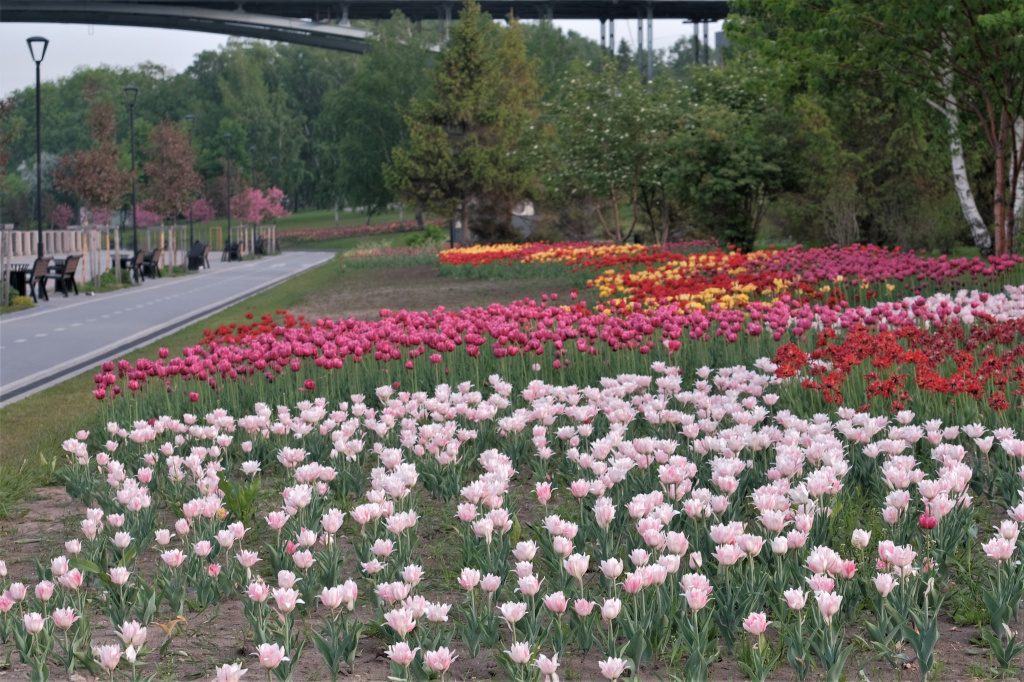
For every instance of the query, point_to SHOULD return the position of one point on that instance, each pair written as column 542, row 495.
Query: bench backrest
column 71, row 265
column 40, row 266
column 156, row 256
column 197, row 249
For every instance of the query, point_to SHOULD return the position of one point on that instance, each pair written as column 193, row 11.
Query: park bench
column 232, row 251
column 63, row 274
column 131, row 263
column 151, row 263
column 37, row 279
column 198, row 255
column 260, row 246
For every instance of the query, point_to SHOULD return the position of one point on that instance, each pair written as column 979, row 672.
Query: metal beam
column 265, row 27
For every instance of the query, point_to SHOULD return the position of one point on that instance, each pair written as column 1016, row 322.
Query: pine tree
column 464, row 137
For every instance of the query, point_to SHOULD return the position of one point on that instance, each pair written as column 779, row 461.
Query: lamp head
column 37, row 47
column 131, row 93
column 190, row 118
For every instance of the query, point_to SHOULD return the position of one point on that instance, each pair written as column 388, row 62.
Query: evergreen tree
column 464, row 151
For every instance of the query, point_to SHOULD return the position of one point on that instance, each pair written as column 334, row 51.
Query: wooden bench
column 37, row 279
column 150, row 266
column 63, row 275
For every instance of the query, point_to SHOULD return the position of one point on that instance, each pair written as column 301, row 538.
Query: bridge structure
column 328, row 23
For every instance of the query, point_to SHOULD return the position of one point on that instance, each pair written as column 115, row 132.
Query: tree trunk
column 419, row 219
column 982, row 237
column 999, row 194
column 1017, row 165
column 335, row 212
column 464, row 237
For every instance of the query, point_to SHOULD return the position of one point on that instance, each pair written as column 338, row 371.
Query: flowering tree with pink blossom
column 202, row 210
column 253, row 206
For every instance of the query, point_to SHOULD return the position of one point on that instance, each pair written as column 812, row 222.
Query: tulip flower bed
column 402, row 256
column 693, row 276
column 665, row 520
column 578, row 344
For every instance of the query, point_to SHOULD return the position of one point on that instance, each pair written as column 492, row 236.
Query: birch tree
column 963, row 57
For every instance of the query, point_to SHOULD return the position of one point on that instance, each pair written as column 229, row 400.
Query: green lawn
column 347, row 243
column 305, row 220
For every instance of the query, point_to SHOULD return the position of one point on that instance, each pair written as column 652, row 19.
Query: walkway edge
column 23, row 388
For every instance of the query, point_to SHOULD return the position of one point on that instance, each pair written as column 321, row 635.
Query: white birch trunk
column 979, row 232
column 1018, row 200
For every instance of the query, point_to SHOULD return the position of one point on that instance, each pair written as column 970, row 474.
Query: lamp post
column 190, row 121
column 227, row 156
column 131, row 93
column 40, row 44
column 252, row 163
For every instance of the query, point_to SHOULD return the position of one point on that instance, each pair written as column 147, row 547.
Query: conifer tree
column 464, row 137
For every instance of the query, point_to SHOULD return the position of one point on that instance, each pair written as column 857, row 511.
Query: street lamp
column 227, row 156
column 37, row 48
column 252, row 162
column 190, row 120
column 131, row 93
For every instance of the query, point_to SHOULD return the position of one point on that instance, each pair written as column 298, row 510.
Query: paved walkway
column 66, row 336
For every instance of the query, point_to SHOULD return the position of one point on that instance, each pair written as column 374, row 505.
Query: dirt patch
column 220, row 634
column 361, row 293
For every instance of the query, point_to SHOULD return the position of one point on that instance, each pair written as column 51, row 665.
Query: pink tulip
column 520, row 653
column 829, row 604
column 108, row 655
column 439, row 660
column 756, row 623
column 34, row 623
column 270, row 655
column 230, row 672
column 612, row 668
column 795, row 599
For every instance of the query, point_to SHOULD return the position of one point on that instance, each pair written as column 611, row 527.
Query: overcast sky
column 74, row 45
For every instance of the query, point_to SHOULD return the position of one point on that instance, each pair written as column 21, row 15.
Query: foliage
column 94, row 174
column 958, row 57
column 62, row 216
column 171, row 179
column 363, row 120
column 464, row 151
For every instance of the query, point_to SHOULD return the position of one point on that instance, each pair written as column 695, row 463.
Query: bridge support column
column 650, row 43
column 344, row 16
column 696, row 43
column 444, row 13
column 640, row 41
column 707, row 47
column 611, row 36
column 602, row 33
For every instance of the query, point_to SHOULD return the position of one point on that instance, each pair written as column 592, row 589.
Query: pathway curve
column 65, row 336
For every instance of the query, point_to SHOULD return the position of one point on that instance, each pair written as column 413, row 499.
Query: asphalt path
column 66, row 336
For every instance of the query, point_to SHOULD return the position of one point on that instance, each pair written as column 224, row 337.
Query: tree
column 362, row 120
column 93, row 175
column 601, row 145
column 171, row 178
column 960, row 57
column 465, row 139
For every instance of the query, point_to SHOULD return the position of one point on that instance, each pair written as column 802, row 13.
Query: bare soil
column 361, row 293
column 221, row 634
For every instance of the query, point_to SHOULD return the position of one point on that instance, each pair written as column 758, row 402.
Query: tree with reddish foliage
column 93, row 174
column 172, row 180
column 61, row 216
column 7, row 134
